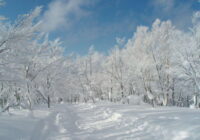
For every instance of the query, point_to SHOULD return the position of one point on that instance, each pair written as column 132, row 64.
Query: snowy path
column 98, row 121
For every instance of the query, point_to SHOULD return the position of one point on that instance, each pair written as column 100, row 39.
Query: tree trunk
column 122, row 90
column 173, row 93
column 195, row 100
column 48, row 101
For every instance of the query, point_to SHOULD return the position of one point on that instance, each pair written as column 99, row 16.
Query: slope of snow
column 101, row 121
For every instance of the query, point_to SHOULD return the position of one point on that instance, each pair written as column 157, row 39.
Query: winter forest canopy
column 159, row 65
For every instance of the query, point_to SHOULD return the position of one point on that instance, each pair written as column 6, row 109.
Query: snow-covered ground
column 101, row 121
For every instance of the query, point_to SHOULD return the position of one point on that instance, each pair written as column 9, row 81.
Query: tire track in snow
column 109, row 122
column 94, row 122
column 53, row 126
column 44, row 127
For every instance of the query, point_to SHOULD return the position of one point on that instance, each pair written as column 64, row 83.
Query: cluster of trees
column 31, row 65
column 159, row 64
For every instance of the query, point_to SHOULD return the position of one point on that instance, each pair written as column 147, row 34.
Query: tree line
column 160, row 65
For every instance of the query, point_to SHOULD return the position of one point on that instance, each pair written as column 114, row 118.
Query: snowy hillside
column 101, row 121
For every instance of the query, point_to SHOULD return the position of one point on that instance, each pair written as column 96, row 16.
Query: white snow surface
column 101, row 122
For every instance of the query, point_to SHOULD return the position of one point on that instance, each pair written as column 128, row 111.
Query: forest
column 159, row 65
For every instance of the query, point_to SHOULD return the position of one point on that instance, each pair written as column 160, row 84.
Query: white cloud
column 3, row 18
column 166, row 5
column 120, row 41
column 196, row 17
column 2, row 2
column 62, row 13
column 179, row 12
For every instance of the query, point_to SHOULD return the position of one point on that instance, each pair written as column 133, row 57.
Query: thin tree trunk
column 48, row 101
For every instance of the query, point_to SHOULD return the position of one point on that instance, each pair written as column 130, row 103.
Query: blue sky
column 84, row 23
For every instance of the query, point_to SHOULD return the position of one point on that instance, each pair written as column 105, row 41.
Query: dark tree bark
column 48, row 101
